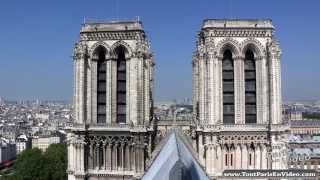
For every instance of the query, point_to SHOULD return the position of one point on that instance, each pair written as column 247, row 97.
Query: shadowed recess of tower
column 175, row 161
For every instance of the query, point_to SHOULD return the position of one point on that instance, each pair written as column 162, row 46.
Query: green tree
column 33, row 164
column 56, row 162
column 307, row 115
column 30, row 165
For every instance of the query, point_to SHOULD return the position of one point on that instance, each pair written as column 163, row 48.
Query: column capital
column 111, row 58
column 238, row 58
column 260, row 58
column 219, row 57
column 95, row 59
column 80, row 56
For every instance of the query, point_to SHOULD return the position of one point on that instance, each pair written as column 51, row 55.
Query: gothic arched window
column 228, row 87
column 101, row 85
column 121, row 84
column 250, row 88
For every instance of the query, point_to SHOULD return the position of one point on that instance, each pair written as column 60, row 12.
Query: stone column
column 81, row 88
column 201, row 150
column 137, row 158
column 220, row 92
column 239, row 90
column 279, row 96
column 219, row 158
column 206, row 158
column 98, row 163
column 216, row 91
column 76, row 89
column 127, row 160
column 142, row 158
column 114, row 157
column 75, row 162
column 210, row 95
column 109, row 157
column 213, row 159
column 275, row 83
column 104, row 151
column 122, row 146
column 259, row 89
column 207, row 152
column 140, row 89
column 90, row 156
column 195, row 86
column 202, row 89
column 244, row 157
column 264, row 158
column 133, row 89
column 206, row 86
column 88, row 92
column 81, row 156
column 94, row 156
column 257, row 155
column 133, row 158
column 238, row 157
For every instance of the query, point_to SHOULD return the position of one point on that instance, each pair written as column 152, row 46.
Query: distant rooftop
column 306, row 123
column 94, row 25
column 237, row 23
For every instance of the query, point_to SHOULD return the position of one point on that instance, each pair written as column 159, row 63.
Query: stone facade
column 237, row 121
column 100, row 146
column 238, row 145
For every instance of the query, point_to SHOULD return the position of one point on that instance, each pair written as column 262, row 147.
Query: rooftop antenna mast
column 230, row 9
column 117, row 10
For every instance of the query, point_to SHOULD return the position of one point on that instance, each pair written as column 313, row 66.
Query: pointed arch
column 98, row 46
column 228, row 44
column 128, row 50
column 254, row 45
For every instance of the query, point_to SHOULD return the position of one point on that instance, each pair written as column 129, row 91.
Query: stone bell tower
column 237, row 96
column 113, row 85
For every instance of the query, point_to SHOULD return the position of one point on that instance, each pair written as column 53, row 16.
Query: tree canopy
column 37, row 165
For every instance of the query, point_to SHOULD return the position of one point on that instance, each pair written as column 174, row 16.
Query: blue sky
column 37, row 37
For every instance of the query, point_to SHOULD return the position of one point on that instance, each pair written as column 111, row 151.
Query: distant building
column 42, row 116
column 22, row 143
column 7, row 150
column 304, row 152
column 44, row 142
column 308, row 126
column 293, row 115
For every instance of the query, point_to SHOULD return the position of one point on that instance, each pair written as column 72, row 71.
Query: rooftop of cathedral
column 238, row 23
column 94, row 25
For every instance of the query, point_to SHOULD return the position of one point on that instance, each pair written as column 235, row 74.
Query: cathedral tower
column 237, row 96
column 113, row 84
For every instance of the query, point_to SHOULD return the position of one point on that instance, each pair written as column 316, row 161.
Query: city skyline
column 35, row 48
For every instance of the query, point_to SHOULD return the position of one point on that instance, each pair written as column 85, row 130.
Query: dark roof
column 304, row 123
